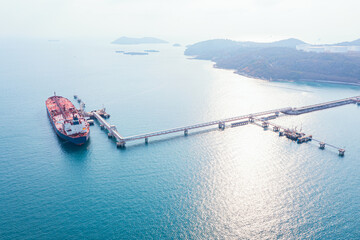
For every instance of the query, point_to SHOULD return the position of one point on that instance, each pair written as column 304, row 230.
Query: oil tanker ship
column 68, row 123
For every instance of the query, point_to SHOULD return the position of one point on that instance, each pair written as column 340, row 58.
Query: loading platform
column 293, row 134
column 254, row 118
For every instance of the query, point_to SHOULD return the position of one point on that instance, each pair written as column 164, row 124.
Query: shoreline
column 287, row 80
column 277, row 80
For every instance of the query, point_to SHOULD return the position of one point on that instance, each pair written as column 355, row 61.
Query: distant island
column 144, row 40
column 146, row 52
column 289, row 59
column 136, row 53
column 151, row 51
column 176, row 45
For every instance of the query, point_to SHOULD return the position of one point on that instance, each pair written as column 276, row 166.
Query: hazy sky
column 184, row 21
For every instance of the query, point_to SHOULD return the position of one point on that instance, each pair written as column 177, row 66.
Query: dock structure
column 297, row 136
column 220, row 123
column 112, row 131
column 322, row 106
column 323, row 144
column 260, row 118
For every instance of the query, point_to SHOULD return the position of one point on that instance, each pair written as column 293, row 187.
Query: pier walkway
column 248, row 118
column 111, row 128
column 220, row 123
column 281, row 129
column 321, row 106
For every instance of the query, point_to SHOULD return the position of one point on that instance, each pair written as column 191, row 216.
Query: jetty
column 261, row 119
column 294, row 135
column 322, row 106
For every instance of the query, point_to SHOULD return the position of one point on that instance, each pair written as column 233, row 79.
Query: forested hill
column 278, row 60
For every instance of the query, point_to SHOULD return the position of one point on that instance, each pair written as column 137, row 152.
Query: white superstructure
column 75, row 126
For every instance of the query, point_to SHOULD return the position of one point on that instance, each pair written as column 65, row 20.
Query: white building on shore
column 326, row 48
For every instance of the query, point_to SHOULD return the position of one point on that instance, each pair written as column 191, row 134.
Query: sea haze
column 240, row 183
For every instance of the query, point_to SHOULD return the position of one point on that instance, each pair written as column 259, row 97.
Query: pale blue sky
column 187, row 21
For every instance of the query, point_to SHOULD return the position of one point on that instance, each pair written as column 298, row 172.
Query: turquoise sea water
column 241, row 183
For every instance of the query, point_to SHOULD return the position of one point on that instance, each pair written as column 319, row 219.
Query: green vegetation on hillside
column 278, row 60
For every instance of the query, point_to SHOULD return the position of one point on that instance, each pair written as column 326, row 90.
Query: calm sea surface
column 241, row 183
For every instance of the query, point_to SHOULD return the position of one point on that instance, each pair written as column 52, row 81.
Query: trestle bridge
column 259, row 118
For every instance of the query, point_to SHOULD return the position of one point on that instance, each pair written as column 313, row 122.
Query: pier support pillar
column 120, row 144
column 265, row 125
column 146, row 140
column 251, row 120
column 186, row 132
column 221, row 125
column 110, row 135
column 275, row 129
column 281, row 133
column 322, row 145
column 102, row 126
column 341, row 152
column 277, row 114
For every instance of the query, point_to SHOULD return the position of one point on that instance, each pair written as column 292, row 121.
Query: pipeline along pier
column 262, row 117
